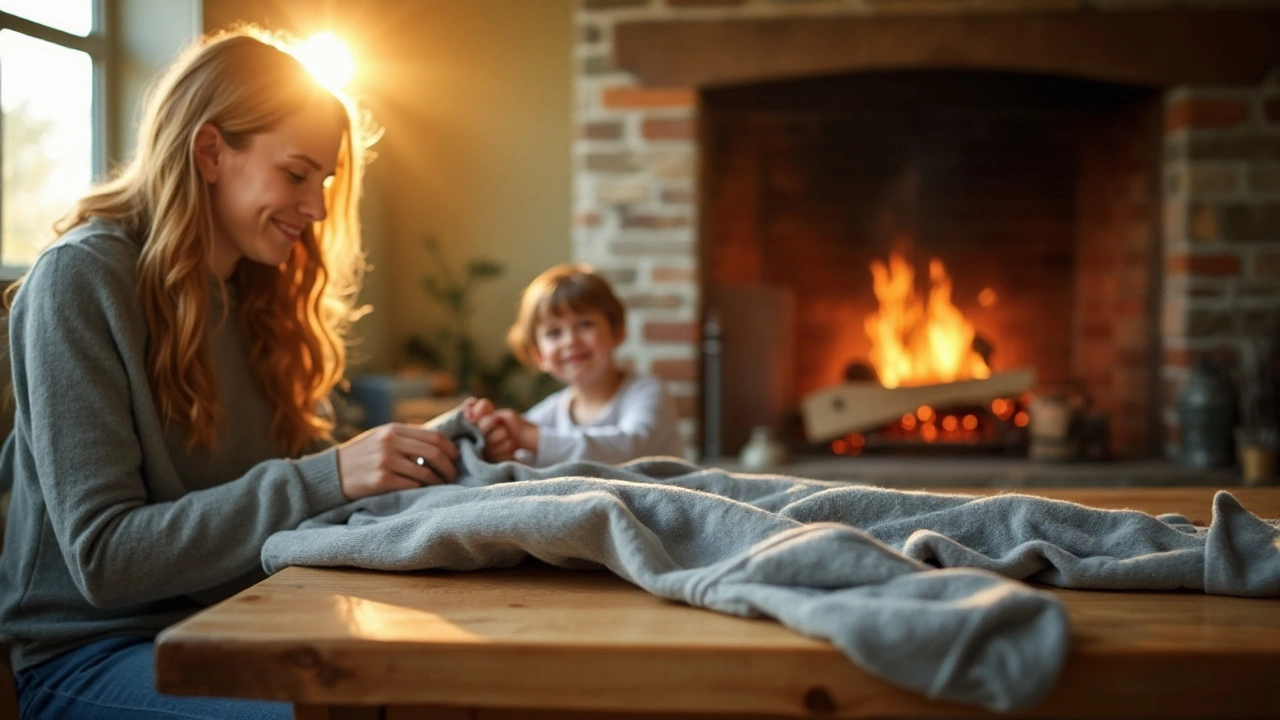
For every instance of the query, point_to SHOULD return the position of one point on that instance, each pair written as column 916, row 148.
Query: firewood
column 858, row 406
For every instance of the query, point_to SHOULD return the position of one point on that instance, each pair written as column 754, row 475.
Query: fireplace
column 1024, row 195
column 1101, row 186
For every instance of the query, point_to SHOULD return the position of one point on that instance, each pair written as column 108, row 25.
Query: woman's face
column 266, row 194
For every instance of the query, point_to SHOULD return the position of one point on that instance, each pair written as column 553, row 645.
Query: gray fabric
column 115, row 527
column 850, row 564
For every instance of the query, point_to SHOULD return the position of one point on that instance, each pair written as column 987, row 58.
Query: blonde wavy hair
column 243, row 81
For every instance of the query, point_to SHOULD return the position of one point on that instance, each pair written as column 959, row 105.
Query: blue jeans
column 114, row 679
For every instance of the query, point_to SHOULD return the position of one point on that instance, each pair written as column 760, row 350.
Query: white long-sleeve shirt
column 639, row 421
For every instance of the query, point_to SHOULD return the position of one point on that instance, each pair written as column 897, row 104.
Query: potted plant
column 450, row 345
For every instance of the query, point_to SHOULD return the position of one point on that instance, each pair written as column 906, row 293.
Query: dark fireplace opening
column 1024, row 205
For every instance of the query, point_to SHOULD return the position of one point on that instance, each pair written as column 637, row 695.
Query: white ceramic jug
column 762, row 451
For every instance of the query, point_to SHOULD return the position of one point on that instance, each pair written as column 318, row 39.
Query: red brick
column 654, row 222
column 1098, row 357
column 648, row 301
column 1130, row 308
column 1097, row 331
column 623, row 98
column 1267, row 265
column 1206, row 113
column 675, row 370
column 1135, row 359
column 1102, row 385
column 670, row 274
column 615, row 162
column 678, row 197
column 1096, row 260
column 667, row 129
column 1205, row 293
column 588, row 219
column 1093, row 307
column 602, row 130
column 671, row 332
column 1136, row 259
column 1203, row 265
column 611, row 4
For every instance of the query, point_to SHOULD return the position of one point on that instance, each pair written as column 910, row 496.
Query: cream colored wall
column 474, row 98
column 151, row 34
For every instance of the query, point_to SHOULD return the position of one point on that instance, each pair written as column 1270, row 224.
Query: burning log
column 859, row 406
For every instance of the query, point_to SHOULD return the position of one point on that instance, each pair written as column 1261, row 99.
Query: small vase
column 762, row 452
column 1256, row 450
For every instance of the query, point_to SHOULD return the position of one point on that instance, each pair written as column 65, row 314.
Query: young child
column 569, row 324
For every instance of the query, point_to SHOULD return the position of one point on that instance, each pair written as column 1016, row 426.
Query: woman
column 172, row 356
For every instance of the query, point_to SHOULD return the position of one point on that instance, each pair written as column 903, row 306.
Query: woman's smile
column 290, row 231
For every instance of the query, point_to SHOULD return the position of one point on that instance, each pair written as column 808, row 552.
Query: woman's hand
column 395, row 456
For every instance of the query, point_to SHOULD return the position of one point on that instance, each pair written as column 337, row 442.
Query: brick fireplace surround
column 1186, row 254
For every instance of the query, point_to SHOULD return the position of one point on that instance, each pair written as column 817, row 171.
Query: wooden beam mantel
column 1157, row 48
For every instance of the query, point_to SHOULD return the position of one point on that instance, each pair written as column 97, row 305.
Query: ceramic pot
column 762, row 452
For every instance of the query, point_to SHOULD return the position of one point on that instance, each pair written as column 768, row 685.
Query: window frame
column 98, row 46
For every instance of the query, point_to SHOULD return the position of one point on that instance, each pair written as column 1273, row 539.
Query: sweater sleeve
column 74, row 339
column 643, row 423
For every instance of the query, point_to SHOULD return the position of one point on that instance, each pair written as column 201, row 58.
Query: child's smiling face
column 575, row 347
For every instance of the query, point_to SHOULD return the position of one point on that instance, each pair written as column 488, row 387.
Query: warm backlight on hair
column 328, row 59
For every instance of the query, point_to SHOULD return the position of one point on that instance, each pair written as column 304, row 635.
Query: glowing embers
column 999, row 426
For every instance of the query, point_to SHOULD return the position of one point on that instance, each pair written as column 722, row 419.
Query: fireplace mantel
column 1157, row 48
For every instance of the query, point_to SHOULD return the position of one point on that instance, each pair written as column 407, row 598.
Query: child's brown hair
column 575, row 287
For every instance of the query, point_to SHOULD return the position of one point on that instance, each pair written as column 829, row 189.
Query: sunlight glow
column 375, row 620
column 328, row 59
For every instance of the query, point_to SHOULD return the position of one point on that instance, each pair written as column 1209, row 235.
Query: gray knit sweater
column 115, row 528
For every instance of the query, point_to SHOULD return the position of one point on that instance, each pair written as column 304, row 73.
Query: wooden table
column 540, row 642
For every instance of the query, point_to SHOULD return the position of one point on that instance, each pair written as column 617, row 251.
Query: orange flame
column 915, row 341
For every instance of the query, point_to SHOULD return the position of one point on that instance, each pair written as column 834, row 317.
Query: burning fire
column 916, row 341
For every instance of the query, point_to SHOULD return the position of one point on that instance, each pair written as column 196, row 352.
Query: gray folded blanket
column 917, row 588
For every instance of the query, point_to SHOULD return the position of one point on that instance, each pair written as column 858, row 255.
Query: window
column 52, row 64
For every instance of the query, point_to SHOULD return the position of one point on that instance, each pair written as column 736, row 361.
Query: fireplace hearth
column 976, row 191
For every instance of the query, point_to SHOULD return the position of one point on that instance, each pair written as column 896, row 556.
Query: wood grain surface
column 541, row 642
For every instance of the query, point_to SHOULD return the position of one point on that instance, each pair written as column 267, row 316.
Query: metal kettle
column 1206, row 412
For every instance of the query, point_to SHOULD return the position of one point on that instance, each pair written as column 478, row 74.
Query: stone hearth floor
column 935, row 473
